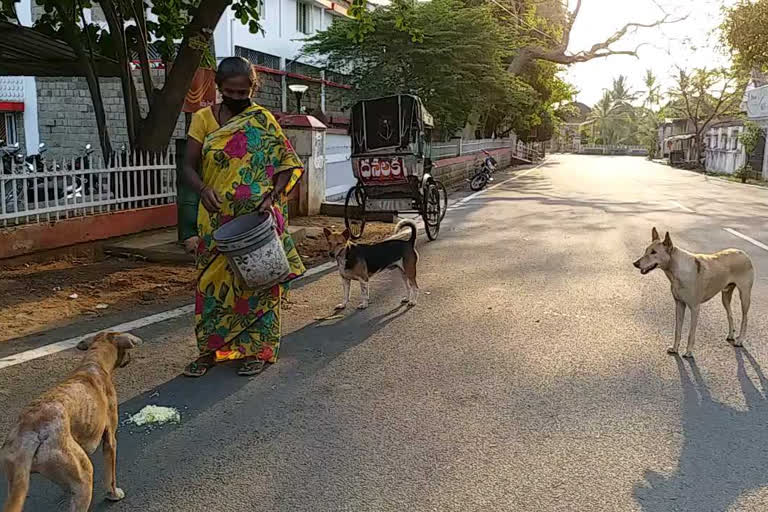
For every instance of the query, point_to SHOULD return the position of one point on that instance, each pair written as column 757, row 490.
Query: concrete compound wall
column 269, row 93
column 67, row 121
column 66, row 118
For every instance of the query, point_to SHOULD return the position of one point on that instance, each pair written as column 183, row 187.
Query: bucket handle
column 270, row 211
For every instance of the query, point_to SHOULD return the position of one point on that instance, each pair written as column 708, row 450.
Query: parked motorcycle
column 35, row 185
column 84, row 160
column 12, row 162
column 36, row 163
column 484, row 174
column 76, row 187
column 12, row 157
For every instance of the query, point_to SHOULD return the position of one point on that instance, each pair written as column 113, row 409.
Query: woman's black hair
column 235, row 66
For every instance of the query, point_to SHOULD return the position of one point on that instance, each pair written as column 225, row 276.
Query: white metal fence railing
column 49, row 190
column 612, row 149
column 460, row 147
column 446, row 150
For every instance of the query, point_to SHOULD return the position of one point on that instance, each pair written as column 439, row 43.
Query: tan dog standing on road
column 696, row 278
column 55, row 433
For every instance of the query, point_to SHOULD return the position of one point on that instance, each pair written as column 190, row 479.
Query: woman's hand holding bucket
column 210, row 199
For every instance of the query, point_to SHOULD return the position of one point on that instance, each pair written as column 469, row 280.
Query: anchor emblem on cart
column 385, row 129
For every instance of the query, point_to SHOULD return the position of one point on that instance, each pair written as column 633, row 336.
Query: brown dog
column 56, row 432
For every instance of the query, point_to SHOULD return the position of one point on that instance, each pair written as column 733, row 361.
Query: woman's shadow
column 724, row 451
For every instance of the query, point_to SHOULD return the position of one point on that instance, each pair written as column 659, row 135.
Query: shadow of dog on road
column 724, row 449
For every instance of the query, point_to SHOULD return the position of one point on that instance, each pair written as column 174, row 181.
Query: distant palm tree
column 614, row 115
column 621, row 93
column 605, row 114
column 652, row 90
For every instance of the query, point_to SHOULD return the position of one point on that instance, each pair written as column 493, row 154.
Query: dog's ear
column 667, row 241
column 654, row 235
column 327, row 232
column 346, row 234
column 126, row 341
column 86, row 343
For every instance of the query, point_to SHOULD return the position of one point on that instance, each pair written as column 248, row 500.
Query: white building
column 286, row 24
column 723, row 149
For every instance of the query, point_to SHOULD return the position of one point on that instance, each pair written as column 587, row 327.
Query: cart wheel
column 443, row 199
column 354, row 212
column 431, row 213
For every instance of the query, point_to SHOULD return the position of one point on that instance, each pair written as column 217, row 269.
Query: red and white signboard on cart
column 382, row 170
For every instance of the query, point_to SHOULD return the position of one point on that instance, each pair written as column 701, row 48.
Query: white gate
column 338, row 165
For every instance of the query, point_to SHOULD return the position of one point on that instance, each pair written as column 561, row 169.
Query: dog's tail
column 410, row 224
column 16, row 459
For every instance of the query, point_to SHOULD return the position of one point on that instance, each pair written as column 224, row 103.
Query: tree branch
column 116, row 25
column 569, row 26
column 559, row 54
column 137, row 7
column 72, row 35
column 525, row 55
column 164, row 112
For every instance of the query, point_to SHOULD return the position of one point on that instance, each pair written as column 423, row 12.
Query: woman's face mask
column 236, row 93
column 235, row 105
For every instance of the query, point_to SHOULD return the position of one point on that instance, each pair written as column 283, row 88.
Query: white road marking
column 684, row 208
column 748, row 239
column 53, row 348
column 72, row 342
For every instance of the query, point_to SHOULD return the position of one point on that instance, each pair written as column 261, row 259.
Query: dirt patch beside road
column 39, row 295
column 314, row 249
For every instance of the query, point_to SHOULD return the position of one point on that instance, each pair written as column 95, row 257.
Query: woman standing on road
column 247, row 165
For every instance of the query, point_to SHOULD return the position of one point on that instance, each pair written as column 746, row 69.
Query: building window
column 303, row 18
column 8, row 132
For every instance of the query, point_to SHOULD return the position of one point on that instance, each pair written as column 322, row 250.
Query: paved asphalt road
column 532, row 376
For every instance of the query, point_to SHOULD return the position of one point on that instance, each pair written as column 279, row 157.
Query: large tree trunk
column 164, row 111
column 86, row 60
column 98, row 106
column 130, row 100
column 146, row 74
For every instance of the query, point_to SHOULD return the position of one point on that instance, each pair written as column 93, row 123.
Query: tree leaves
column 453, row 55
column 744, row 31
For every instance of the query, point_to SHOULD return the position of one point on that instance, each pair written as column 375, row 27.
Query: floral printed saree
column 239, row 161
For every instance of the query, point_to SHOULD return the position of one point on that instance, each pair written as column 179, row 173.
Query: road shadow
column 724, row 448
column 256, row 408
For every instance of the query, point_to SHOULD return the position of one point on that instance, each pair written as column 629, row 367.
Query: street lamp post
column 298, row 90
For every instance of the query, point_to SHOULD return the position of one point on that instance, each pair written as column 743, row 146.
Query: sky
column 693, row 42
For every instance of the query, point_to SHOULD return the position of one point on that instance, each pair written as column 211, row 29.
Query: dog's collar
column 343, row 249
column 340, row 252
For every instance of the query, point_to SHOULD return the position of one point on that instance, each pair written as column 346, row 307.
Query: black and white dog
column 359, row 262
